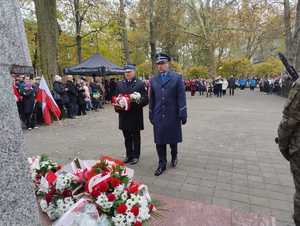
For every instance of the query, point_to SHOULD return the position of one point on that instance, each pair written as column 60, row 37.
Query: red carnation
column 111, row 197
column 137, row 223
column 133, row 188
column 67, row 193
column 49, row 197
column 151, row 207
column 121, row 209
column 135, row 210
column 115, row 182
column 103, row 186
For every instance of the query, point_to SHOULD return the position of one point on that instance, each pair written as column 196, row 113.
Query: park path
column 228, row 157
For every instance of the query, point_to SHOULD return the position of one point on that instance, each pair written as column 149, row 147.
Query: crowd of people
column 77, row 96
column 218, row 87
column 73, row 96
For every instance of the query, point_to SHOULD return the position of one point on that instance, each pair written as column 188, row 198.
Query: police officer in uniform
column 289, row 141
column 131, row 122
column 167, row 111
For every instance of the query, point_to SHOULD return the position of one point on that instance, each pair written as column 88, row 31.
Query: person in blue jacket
column 167, row 111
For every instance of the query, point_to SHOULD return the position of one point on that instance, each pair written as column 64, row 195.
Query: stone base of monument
column 182, row 212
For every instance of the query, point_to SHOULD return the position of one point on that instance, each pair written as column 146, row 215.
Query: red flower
column 58, row 167
column 121, row 209
column 51, row 177
column 103, row 186
column 115, row 182
column 133, row 188
column 135, row 210
column 111, row 197
column 49, row 197
column 151, row 207
column 99, row 188
column 67, row 193
column 137, row 223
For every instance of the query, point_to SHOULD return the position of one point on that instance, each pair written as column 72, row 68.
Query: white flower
column 124, row 196
column 130, row 203
column 44, row 186
column 63, row 182
column 119, row 220
column 135, row 199
column 130, row 218
column 107, row 205
column 118, row 190
column 44, row 205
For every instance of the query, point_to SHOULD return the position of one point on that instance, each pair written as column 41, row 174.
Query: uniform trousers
column 162, row 153
column 132, row 143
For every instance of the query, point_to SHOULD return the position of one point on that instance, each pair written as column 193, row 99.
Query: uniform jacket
column 289, row 127
column 133, row 119
column 167, row 108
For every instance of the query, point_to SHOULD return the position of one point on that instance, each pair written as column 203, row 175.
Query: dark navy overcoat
column 167, row 108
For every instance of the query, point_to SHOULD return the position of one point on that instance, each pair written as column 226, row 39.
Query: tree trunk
column 48, row 38
column 78, row 30
column 212, row 71
column 124, row 34
column 287, row 29
column 152, row 35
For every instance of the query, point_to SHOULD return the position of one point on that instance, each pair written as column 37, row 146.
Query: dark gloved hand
column 276, row 140
column 183, row 121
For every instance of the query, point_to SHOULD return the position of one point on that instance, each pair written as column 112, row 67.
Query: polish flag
column 45, row 97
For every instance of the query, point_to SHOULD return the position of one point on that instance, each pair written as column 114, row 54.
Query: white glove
column 135, row 97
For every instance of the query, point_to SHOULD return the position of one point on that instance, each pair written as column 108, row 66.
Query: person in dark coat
column 81, row 97
column 72, row 95
column 60, row 95
column 231, row 85
column 167, row 111
column 131, row 122
column 28, row 101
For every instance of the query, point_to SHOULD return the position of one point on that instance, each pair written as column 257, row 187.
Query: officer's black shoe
column 127, row 160
column 134, row 161
column 174, row 162
column 160, row 170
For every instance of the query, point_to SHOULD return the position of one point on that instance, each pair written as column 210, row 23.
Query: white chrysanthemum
column 119, row 220
column 124, row 196
column 63, row 182
column 130, row 218
column 135, row 199
column 118, row 190
column 130, row 203
column 107, row 205
column 44, row 205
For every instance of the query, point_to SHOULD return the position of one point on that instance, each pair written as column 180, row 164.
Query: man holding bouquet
column 131, row 97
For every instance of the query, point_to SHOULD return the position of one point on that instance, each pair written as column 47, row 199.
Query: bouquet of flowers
column 107, row 185
column 135, row 97
column 121, row 102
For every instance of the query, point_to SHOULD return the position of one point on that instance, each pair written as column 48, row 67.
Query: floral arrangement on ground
column 88, row 192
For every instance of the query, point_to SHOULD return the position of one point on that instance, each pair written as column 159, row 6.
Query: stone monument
column 17, row 201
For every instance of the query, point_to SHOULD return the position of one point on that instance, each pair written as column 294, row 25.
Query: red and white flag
column 45, row 97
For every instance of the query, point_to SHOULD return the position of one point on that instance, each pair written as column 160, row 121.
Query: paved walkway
column 228, row 157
